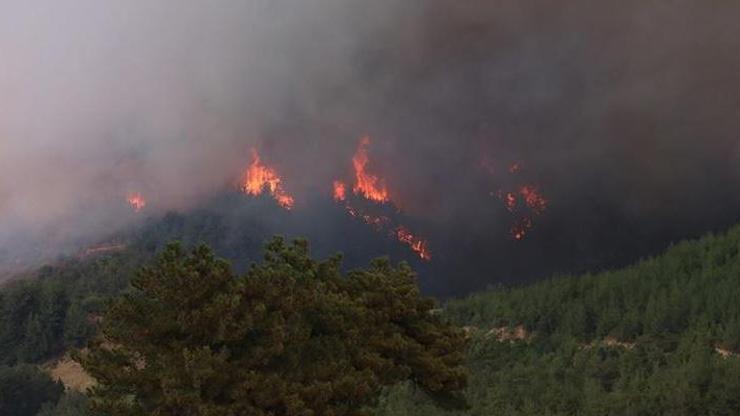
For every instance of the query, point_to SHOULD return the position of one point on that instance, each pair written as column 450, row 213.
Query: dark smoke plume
column 623, row 113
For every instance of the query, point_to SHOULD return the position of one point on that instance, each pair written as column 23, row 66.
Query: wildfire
column 525, row 202
column 340, row 191
column 521, row 228
column 417, row 244
column 259, row 178
column 509, row 200
column 137, row 201
column 534, row 200
column 372, row 187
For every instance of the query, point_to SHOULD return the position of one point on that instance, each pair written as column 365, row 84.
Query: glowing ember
column 136, row 201
column 259, row 178
column 534, row 204
column 524, row 202
column 510, row 201
column 372, row 187
column 520, row 229
column 340, row 191
column 376, row 221
column 418, row 245
column 534, row 200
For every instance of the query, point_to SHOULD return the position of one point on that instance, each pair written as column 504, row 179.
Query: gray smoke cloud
column 623, row 113
column 166, row 98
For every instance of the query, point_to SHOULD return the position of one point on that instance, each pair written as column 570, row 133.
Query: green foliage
column 671, row 315
column 54, row 309
column 71, row 404
column 24, row 389
column 638, row 341
column 693, row 286
column 291, row 337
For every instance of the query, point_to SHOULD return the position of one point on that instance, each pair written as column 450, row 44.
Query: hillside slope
column 656, row 338
column 660, row 337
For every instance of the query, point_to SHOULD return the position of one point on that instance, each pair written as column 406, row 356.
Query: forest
column 659, row 337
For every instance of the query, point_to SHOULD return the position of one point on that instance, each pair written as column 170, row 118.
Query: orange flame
column 136, row 201
column 417, row 244
column 340, row 191
column 259, row 178
column 372, row 187
column 377, row 222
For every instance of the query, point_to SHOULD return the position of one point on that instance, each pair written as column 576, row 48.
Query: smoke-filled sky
column 624, row 114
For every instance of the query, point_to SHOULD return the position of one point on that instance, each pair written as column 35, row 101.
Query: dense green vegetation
column 71, row 404
column 693, row 287
column 655, row 338
column 54, row 310
column 645, row 340
column 24, row 389
column 290, row 337
column 46, row 313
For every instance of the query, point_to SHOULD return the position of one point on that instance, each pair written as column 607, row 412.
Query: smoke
column 623, row 114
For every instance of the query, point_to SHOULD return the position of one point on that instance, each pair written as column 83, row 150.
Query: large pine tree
column 293, row 336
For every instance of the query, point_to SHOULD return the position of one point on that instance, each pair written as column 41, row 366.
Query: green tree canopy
column 24, row 389
column 293, row 336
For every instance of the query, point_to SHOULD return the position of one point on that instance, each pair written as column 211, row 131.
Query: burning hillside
column 136, row 201
column 259, row 178
column 370, row 196
column 602, row 138
column 368, row 199
column 523, row 201
column 369, row 186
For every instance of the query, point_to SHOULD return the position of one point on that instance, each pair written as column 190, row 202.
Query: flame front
column 370, row 186
column 417, row 244
column 259, row 178
column 373, row 188
column 137, row 201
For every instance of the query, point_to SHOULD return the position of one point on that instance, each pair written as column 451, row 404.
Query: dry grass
column 70, row 373
column 503, row 334
column 725, row 353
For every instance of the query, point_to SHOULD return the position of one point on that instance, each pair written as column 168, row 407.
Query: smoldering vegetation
column 623, row 115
